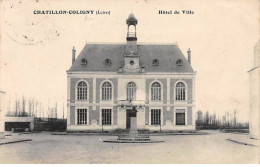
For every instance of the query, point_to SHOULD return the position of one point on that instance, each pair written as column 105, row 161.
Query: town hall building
column 106, row 82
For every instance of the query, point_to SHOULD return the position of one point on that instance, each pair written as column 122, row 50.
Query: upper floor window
column 180, row 92
column 156, row 91
column 106, row 91
column 131, row 91
column 82, row 90
column 155, row 62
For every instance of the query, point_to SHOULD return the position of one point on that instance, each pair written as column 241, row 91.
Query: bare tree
column 228, row 118
column 235, row 118
column 36, row 109
column 23, row 106
column 29, row 108
column 206, row 119
column 9, row 108
column 214, row 121
column 56, row 112
column 33, row 107
column 17, row 107
column 40, row 109
column 63, row 111
column 43, row 112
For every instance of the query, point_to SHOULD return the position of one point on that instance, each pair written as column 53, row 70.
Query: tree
column 56, row 112
column 206, row 119
column 33, row 107
column 214, row 121
column 23, row 106
column 40, row 109
column 36, row 109
column 235, row 118
column 9, row 108
column 17, row 107
column 199, row 119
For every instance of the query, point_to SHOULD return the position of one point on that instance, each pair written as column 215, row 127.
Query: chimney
column 189, row 56
column 73, row 54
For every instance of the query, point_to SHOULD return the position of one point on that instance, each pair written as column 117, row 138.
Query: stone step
column 129, row 137
column 136, row 139
column 141, row 135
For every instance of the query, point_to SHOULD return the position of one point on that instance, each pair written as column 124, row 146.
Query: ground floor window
column 82, row 116
column 106, row 116
column 155, row 117
column 180, row 118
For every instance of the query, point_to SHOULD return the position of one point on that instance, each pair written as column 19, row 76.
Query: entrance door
column 129, row 114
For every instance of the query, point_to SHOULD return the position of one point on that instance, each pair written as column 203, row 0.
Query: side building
column 107, row 81
column 254, row 79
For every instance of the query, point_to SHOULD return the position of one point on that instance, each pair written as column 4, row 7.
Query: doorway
column 129, row 114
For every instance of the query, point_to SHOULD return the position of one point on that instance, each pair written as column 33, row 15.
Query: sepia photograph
column 130, row 82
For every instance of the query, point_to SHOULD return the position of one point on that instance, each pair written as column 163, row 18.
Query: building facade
column 107, row 81
column 254, row 78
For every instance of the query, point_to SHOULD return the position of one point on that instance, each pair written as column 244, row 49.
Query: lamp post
column 160, row 124
column 102, row 123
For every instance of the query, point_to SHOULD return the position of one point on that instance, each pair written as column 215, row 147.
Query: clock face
column 132, row 64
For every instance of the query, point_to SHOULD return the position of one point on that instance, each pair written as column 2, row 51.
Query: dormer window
column 84, row 61
column 155, row 62
column 179, row 62
column 108, row 62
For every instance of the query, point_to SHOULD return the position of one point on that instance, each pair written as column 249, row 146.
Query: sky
column 36, row 49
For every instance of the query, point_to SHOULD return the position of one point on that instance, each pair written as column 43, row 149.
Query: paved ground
column 211, row 148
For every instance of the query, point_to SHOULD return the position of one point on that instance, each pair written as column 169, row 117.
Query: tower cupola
column 131, row 28
column 131, row 53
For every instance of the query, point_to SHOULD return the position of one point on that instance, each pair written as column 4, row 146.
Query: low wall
column 21, row 120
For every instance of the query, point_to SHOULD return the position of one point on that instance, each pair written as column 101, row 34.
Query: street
column 47, row 148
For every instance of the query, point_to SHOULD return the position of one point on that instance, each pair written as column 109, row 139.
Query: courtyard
column 210, row 148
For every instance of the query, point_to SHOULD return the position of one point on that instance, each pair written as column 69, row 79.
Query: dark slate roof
column 96, row 54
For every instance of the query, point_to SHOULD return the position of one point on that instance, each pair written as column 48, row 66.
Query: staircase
column 134, row 135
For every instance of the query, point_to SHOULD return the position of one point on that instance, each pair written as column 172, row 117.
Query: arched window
column 131, row 91
column 106, row 91
column 180, row 91
column 131, row 31
column 82, row 89
column 156, row 91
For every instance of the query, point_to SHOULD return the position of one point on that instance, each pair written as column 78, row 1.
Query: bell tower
column 131, row 55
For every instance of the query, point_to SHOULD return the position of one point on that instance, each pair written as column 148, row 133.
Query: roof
column 131, row 20
column 96, row 54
